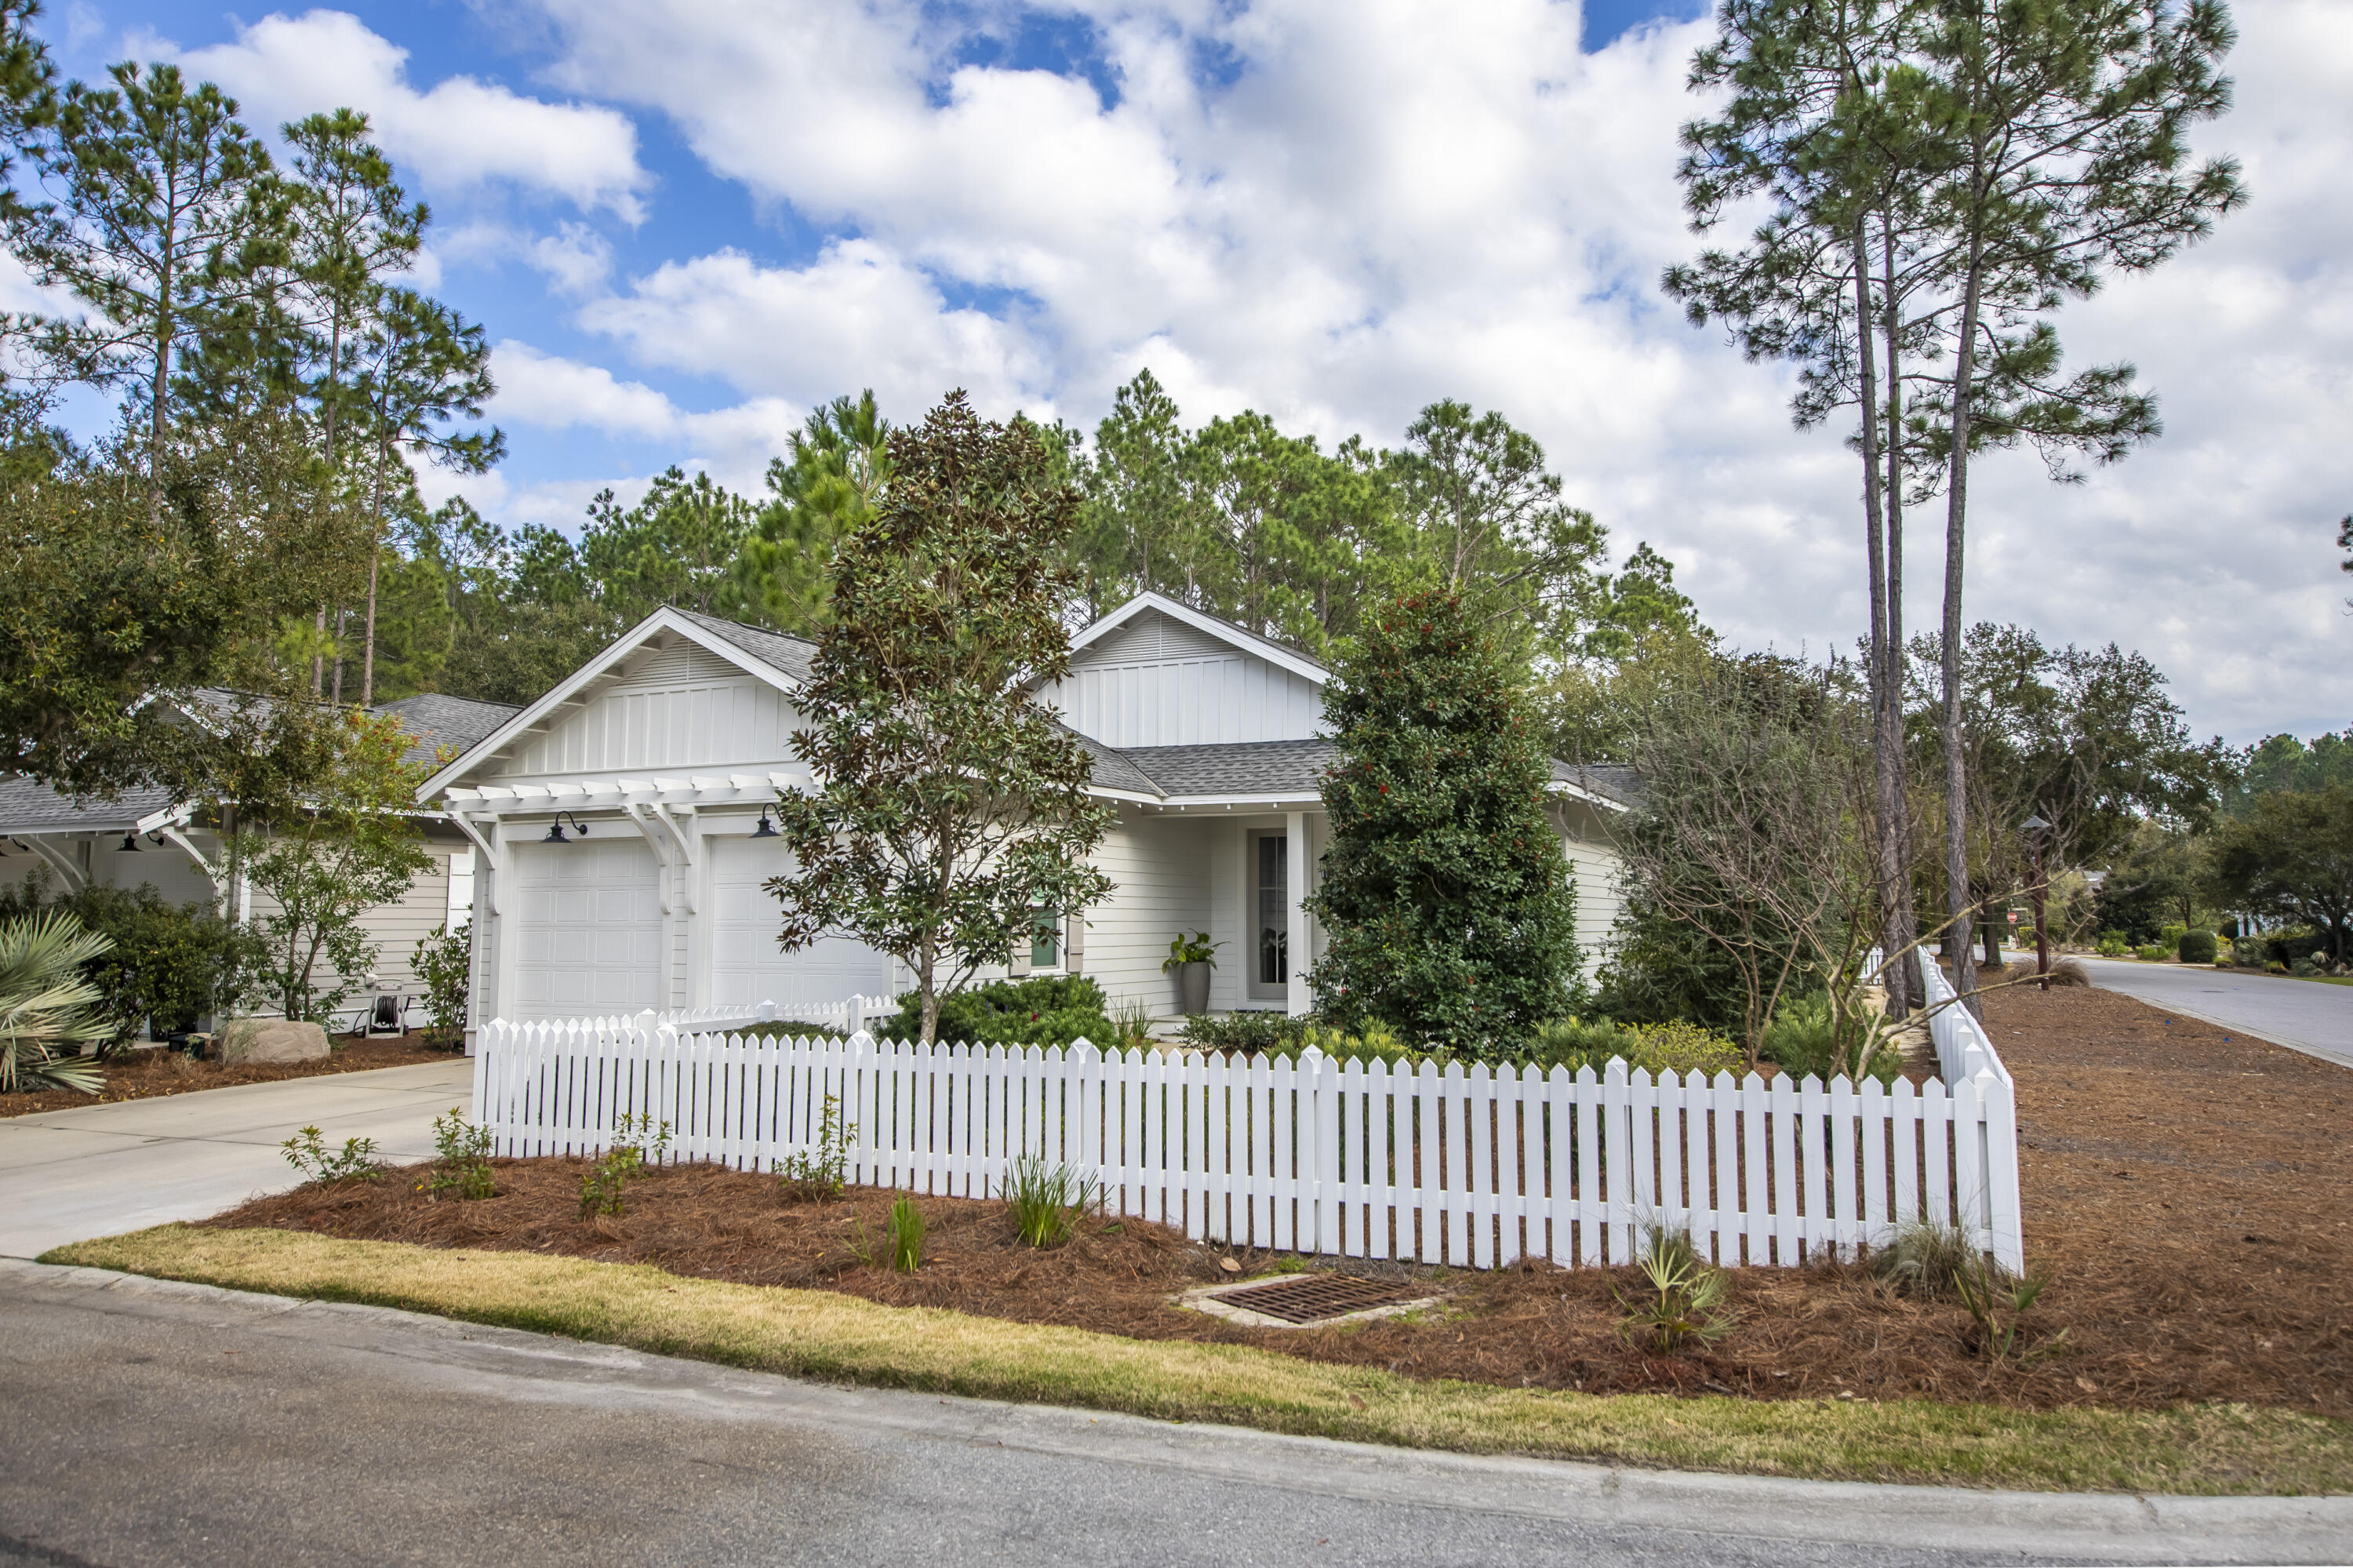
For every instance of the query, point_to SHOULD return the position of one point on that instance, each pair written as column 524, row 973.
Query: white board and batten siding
column 1159, row 681
column 678, row 709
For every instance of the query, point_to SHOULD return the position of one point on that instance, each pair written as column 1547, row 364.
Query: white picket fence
column 1476, row 1166
column 850, row 1016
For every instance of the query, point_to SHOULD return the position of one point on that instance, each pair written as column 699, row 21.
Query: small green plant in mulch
column 906, row 1236
column 461, row 1164
column 1047, row 1200
column 1924, row 1257
column 1998, row 1302
column 638, row 1144
column 307, row 1151
column 813, row 1175
column 1681, row 1300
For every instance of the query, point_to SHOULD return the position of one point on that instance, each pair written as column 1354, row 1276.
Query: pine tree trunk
column 1883, row 743
column 1960, row 905
column 1900, row 921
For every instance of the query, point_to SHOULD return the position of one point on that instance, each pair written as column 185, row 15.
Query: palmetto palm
column 47, row 1007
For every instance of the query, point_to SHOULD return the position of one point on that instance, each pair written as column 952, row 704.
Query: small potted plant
column 1190, row 959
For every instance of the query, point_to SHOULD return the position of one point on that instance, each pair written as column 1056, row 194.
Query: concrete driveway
column 2302, row 1014
column 149, row 1422
column 98, row 1170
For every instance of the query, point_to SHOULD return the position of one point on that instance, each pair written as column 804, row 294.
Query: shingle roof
column 1609, row 779
column 438, row 720
column 790, row 654
column 1241, row 767
column 1115, row 770
column 28, row 806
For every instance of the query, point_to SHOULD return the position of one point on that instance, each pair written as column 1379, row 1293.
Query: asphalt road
column 143, row 1422
column 101, row 1170
column 2305, row 1015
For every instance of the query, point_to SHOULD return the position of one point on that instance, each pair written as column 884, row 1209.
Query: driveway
column 98, row 1170
column 149, row 1422
column 2305, row 1015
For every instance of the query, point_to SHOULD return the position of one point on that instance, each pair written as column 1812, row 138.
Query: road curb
column 549, row 1370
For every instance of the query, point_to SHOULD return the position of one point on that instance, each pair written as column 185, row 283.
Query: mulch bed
column 2185, row 1192
column 147, row 1073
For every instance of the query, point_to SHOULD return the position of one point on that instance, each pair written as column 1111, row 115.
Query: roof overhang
column 1590, row 797
column 571, row 692
column 1249, row 642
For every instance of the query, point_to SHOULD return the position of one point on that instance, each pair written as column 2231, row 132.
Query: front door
column 1269, row 957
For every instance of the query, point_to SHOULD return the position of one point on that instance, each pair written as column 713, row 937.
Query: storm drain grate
column 1311, row 1298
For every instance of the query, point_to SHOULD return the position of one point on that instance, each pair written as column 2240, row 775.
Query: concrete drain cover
column 1302, row 1300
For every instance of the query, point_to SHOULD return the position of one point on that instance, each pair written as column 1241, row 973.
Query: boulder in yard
column 272, row 1039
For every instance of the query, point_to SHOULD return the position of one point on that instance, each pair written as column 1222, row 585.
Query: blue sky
column 685, row 221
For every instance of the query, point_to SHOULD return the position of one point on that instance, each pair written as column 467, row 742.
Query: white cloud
column 857, row 316
column 1403, row 200
column 552, row 393
column 455, row 134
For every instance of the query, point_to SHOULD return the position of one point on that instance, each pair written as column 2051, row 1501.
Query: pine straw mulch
column 147, row 1073
column 2184, row 1191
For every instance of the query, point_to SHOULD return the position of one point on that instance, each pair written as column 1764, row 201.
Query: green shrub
column 2170, row 937
column 1676, row 1046
column 2113, row 944
column 1247, row 1032
column 307, row 1151
column 168, row 964
column 638, row 1144
column 1051, row 1009
column 2197, row 947
column 1804, row 1040
column 817, row 1174
column 462, row 1158
column 443, row 963
column 2152, row 953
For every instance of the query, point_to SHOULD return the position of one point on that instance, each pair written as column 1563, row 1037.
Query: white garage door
column 590, row 931
column 745, row 967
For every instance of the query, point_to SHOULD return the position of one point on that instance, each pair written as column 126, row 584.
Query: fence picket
column 1364, row 1159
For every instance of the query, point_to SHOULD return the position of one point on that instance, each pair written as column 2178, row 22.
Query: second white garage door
column 745, row 967
column 590, row 929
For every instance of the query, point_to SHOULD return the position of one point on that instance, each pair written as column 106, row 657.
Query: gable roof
column 436, row 720
column 1278, row 653
column 779, row 660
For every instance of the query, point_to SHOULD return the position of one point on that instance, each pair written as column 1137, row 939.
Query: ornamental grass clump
column 906, row 1236
column 1047, row 1200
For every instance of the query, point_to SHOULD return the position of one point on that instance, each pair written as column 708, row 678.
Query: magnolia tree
column 952, row 812
column 1450, row 913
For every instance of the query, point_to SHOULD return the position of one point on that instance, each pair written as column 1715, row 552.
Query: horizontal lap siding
column 1160, row 872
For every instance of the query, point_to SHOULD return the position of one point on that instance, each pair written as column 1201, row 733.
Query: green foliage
column 1047, row 1200
column 2197, row 947
column 953, row 805
column 347, row 848
column 2291, row 858
column 443, row 963
column 171, row 964
column 49, row 1008
column 2150, row 953
column 1925, row 1257
column 1050, row 1010
column 637, row 1145
column 906, row 1237
column 1996, row 1302
column 1446, row 895
column 461, row 1165
column 1247, row 1032
column 810, row 1175
column 677, row 545
column 1674, row 1046
column 356, row 1161
column 1808, row 1036
column 2285, row 764
column 1195, row 950
column 1681, row 1301
column 2113, row 944
column 825, row 487
column 1375, row 1042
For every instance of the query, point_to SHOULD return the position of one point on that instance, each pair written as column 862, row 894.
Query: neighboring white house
column 624, row 838
column 144, row 837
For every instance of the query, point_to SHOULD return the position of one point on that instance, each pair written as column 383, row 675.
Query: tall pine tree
column 1448, row 901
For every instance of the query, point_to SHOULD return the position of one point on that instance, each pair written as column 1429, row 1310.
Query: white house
column 623, row 834
column 146, row 837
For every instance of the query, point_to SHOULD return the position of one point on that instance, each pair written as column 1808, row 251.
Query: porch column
column 1295, row 868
